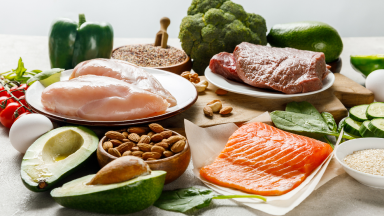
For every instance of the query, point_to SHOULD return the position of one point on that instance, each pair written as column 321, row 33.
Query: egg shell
column 375, row 83
column 27, row 129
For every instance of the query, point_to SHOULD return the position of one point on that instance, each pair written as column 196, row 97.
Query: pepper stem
column 81, row 19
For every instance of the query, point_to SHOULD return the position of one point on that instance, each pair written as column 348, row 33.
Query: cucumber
column 377, row 127
column 375, row 110
column 364, row 130
column 357, row 113
column 352, row 127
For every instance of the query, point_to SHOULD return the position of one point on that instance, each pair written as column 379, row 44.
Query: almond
column 114, row 152
column 125, row 134
column 157, row 149
column 171, row 140
column 134, row 137
column 125, row 147
column 137, row 153
column 178, row 146
column 147, row 155
column 126, row 140
column 107, row 145
column 162, row 144
column 208, row 111
column 144, row 147
column 145, row 139
column 138, row 130
column 135, row 149
column 215, row 105
column 166, row 134
column 226, row 110
column 150, row 134
column 114, row 135
column 151, row 159
column 156, row 128
column 167, row 153
column 156, row 137
column 127, row 153
column 115, row 142
column 221, row 92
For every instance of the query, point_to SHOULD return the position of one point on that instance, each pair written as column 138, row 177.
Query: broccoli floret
column 214, row 26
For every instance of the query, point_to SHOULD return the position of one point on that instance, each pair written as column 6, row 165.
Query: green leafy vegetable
column 44, row 75
column 20, row 74
column 304, row 108
column 183, row 200
column 341, row 124
column 328, row 118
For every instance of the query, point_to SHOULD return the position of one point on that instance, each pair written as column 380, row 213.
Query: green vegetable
column 341, row 124
column 43, row 77
column 375, row 110
column 365, row 131
column 313, row 36
column 358, row 113
column 377, row 127
column 303, row 107
column 20, row 74
column 119, row 198
column 328, row 118
column 214, row 26
column 365, row 64
column 183, row 200
column 352, row 127
column 71, row 43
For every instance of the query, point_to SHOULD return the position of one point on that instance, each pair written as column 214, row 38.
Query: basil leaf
column 328, row 118
column 303, row 107
column 44, row 75
column 20, row 70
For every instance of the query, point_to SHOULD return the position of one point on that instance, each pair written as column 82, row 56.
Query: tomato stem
column 4, row 82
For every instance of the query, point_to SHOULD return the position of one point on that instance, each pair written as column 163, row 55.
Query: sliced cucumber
column 375, row 110
column 357, row 113
column 364, row 130
column 377, row 127
column 352, row 127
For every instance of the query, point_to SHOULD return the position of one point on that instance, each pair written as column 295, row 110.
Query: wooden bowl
column 175, row 165
column 186, row 65
column 336, row 66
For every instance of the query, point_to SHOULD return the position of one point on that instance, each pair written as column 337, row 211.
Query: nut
column 156, row 137
column 155, row 155
column 156, row 128
column 166, row 134
column 171, row 140
column 126, row 153
column 144, row 147
column 114, row 135
column 201, row 86
column 208, row 111
column 215, row 105
column 135, row 149
column 114, row 152
column 125, row 134
column 221, row 92
column 138, row 130
column 162, row 144
column 107, row 145
column 115, row 142
column 194, row 80
column 125, row 147
column 167, row 153
column 178, row 146
column 193, row 75
column 145, row 139
column 226, row 110
column 157, row 149
column 150, row 134
column 137, row 153
column 151, row 159
column 186, row 74
column 126, row 140
column 134, row 137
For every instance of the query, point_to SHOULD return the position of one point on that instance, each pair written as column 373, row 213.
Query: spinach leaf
column 303, row 107
column 328, row 118
column 20, row 70
column 183, row 200
column 341, row 124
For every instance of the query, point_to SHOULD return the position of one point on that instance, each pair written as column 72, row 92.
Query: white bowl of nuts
column 363, row 160
column 162, row 149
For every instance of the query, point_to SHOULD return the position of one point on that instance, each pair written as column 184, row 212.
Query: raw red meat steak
column 224, row 64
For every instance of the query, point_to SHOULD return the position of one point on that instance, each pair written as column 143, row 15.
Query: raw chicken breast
column 125, row 71
column 101, row 98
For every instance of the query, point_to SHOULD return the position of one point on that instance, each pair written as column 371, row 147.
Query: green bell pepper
column 366, row 64
column 71, row 43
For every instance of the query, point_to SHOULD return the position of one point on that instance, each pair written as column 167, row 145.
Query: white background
column 140, row 18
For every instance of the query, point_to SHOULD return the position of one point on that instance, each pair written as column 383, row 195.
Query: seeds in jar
column 148, row 55
column 369, row 161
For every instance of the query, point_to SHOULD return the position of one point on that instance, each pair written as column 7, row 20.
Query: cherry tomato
column 3, row 92
column 7, row 116
column 19, row 91
column 22, row 100
column 3, row 98
column 23, row 114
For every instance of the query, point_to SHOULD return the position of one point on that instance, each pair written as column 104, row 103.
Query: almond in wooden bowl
column 174, row 163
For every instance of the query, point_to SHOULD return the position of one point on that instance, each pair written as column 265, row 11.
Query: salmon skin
column 261, row 159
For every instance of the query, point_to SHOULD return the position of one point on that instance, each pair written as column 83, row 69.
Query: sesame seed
column 369, row 161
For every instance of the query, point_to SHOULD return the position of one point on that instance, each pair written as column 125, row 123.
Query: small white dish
column 242, row 88
column 349, row 147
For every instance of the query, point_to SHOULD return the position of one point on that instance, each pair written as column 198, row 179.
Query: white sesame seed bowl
column 366, row 155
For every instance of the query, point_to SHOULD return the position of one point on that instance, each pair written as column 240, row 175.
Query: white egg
column 27, row 129
column 375, row 83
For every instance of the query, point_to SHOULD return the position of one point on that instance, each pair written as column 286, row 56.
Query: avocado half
column 55, row 155
column 119, row 198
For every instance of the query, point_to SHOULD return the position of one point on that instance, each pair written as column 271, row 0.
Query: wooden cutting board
column 344, row 91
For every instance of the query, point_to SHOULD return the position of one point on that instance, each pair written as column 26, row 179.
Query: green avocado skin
column 310, row 35
column 122, row 200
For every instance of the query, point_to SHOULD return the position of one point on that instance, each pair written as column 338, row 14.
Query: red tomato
column 22, row 100
column 7, row 116
column 23, row 114
column 19, row 91
column 3, row 92
column 3, row 98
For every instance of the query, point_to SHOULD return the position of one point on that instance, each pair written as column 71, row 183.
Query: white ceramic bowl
column 349, row 147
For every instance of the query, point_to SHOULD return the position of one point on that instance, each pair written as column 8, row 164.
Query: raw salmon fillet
column 125, row 71
column 101, row 98
column 264, row 160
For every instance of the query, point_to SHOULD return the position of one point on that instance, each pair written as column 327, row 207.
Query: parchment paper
column 207, row 143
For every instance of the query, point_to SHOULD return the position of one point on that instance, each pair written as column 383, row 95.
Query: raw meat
column 283, row 69
column 224, row 64
column 125, row 71
column 101, row 98
column 262, row 159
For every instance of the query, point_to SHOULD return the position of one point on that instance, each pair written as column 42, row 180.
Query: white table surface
column 340, row 196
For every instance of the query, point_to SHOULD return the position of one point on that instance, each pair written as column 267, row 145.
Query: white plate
column 242, row 88
column 183, row 90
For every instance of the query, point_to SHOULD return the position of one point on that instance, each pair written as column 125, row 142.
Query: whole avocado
column 309, row 35
column 214, row 26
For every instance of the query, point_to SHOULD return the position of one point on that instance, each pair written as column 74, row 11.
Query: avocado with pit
column 55, row 155
column 118, row 198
